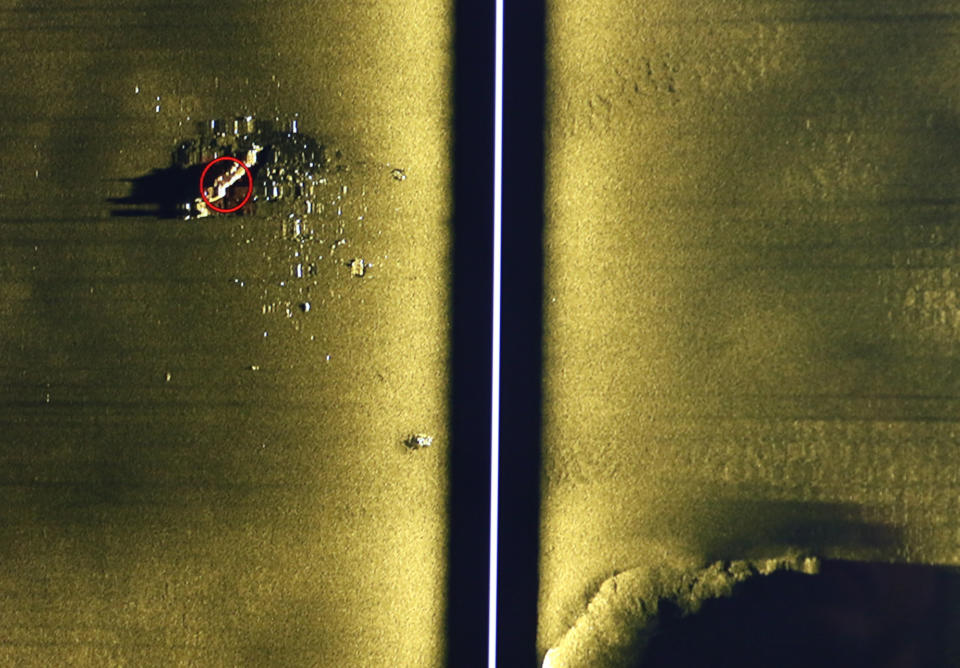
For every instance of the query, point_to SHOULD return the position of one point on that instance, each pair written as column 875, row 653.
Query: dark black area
column 159, row 193
column 852, row 614
column 471, row 313
column 522, row 331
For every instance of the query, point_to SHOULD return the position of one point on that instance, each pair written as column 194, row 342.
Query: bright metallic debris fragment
column 398, row 174
column 218, row 191
column 358, row 267
column 418, row 441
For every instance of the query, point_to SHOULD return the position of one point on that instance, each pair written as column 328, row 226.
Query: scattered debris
column 398, row 174
column 287, row 167
column 286, row 164
column 309, row 201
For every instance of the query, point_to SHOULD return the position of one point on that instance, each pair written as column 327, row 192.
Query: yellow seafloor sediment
column 751, row 305
column 199, row 479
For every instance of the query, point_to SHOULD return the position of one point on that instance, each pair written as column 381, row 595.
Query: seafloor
column 198, row 469
column 752, row 311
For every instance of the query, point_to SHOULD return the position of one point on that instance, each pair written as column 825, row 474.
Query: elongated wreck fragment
column 217, row 192
column 624, row 615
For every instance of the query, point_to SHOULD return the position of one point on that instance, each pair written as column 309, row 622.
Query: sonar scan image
column 223, row 284
column 750, row 411
column 425, row 333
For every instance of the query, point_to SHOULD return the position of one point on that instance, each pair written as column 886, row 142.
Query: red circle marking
column 249, row 190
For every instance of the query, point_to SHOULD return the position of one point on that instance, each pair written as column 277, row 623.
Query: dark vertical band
column 472, row 309
column 521, row 331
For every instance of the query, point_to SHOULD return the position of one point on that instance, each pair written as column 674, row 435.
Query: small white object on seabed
column 418, row 441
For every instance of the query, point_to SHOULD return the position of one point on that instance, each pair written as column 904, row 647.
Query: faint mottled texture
column 752, row 317
column 200, row 465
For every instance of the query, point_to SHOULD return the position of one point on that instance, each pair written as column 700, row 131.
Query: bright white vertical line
column 495, row 366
